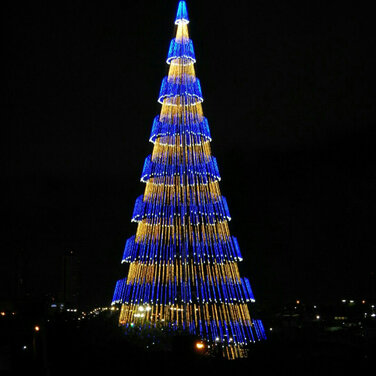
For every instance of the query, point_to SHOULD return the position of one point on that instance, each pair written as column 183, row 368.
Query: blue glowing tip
column 182, row 14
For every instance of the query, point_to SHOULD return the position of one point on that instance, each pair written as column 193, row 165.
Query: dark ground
column 95, row 345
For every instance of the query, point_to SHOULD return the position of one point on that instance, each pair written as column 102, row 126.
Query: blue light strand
column 236, row 248
column 248, row 285
column 261, row 328
column 182, row 13
column 191, row 91
column 257, row 330
column 119, row 291
column 150, row 208
column 139, row 208
column 206, row 170
column 192, row 132
column 181, row 50
column 207, row 251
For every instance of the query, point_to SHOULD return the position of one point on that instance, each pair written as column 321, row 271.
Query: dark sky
column 289, row 92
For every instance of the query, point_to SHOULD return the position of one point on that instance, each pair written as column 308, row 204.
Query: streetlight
column 200, row 345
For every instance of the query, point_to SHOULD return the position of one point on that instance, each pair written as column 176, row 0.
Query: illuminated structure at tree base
column 183, row 272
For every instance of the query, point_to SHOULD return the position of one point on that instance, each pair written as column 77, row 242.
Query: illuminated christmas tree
column 183, row 272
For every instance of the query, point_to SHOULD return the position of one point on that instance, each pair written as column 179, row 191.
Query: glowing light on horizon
column 200, row 345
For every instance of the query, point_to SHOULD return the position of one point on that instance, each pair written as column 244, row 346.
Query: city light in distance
column 36, row 328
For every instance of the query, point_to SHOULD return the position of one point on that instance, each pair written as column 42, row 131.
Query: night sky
column 289, row 93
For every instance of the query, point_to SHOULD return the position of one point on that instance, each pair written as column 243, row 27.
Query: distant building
column 69, row 296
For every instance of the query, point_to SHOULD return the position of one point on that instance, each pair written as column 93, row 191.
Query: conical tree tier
column 169, row 130
column 183, row 261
